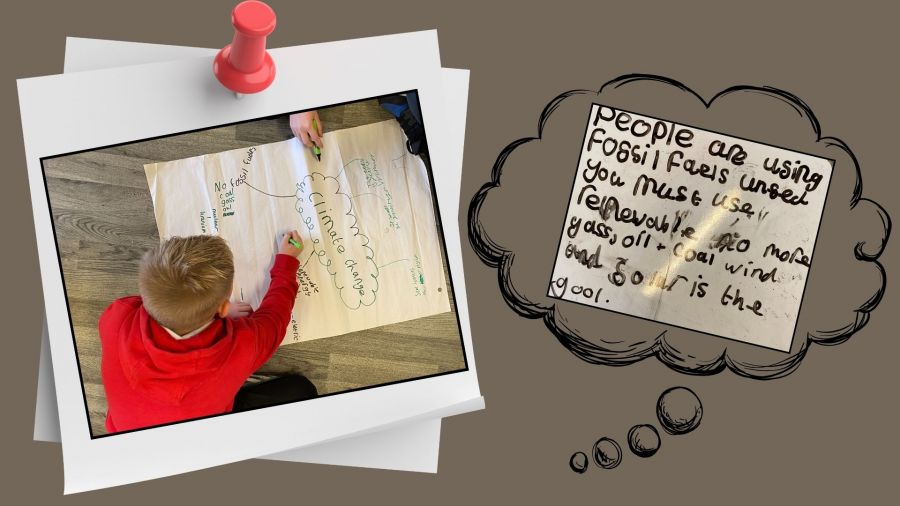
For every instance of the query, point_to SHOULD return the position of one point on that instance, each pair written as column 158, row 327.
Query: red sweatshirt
column 152, row 378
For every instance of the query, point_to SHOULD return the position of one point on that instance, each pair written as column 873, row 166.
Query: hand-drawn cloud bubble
column 516, row 221
column 643, row 440
column 578, row 462
column 607, row 453
column 679, row 410
column 327, row 217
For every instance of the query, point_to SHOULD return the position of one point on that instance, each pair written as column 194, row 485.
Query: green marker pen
column 315, row 149
column 295, row 243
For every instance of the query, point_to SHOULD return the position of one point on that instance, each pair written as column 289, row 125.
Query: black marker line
column 346, row 164
column 269, row 194
column 370, row 193
column 308, row 259
column 391, row 263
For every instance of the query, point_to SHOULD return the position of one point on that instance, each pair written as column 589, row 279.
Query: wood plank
column 96, row 401
column 181, row 146
column 99, row 167
column 363, row 371
column 263, row 131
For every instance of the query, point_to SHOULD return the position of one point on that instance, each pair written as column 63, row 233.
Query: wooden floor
column 103, row 216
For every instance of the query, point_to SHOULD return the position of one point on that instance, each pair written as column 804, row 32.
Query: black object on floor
column 407, row 113
column 280, row 390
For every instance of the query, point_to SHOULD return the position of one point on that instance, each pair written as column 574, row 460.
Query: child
column 180, row 350
column 404, row 107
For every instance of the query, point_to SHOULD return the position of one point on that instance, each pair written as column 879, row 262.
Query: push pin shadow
column 244, row 66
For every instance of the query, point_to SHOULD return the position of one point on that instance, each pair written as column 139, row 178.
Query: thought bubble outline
column 357, row 236
column 494, row 255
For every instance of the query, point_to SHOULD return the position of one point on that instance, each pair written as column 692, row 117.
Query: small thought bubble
column 579, row 462
column 679, row 410
column 643, row 440
column 607, row 453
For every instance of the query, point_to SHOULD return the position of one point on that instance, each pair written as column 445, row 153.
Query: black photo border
column 438, row 219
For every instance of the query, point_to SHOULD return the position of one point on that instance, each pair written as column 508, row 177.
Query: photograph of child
column 181, row 350
column 159, row 337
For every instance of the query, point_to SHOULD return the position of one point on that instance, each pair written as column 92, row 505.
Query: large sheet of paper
column 371, row 253
column 690, row 227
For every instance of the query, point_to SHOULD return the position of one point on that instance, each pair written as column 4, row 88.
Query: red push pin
column 244, row 66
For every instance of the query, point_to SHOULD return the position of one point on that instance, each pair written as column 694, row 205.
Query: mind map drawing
column 371, row 245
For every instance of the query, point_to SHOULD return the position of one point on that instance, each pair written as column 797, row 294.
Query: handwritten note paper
column 690, row 228
column 372, row 253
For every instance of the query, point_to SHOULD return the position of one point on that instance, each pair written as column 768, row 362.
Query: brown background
column 826, row 433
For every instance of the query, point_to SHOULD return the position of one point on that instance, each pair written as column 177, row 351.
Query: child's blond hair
column 184, row 280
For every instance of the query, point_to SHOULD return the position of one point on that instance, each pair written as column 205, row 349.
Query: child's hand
column 239, row 310
column 286, row 248
column 307, row 127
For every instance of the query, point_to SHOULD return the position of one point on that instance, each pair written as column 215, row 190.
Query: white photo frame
column 98, row 109
column 414, row 446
